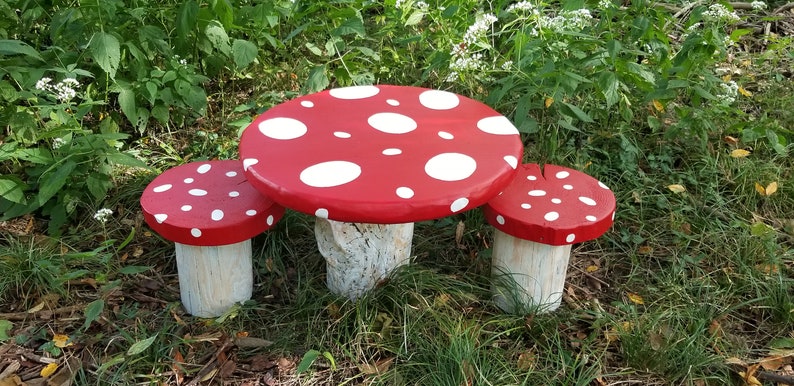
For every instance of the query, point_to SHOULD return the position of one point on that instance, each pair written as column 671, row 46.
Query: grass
column 687, row 288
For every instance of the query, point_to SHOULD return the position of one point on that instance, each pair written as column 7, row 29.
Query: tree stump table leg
column 528, row 274
column 212, row 279
column 360, row 255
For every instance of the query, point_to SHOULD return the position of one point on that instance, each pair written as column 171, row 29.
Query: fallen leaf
column 676, row 188
column 730, row 140
column 745, row 92
column 548, row 102
column 750, row 380
column 13, row 380
column 645, row 250
column 658, row 106
column 61, row 341
column 459, row 229
column 769, row 190
column 591, row 268
column 634, row 298
column 726, row 77
column 772, row 363
column 49, row 370
column 739, row 153
column 526, row 361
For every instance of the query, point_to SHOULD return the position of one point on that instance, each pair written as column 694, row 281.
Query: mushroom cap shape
column 553, row 206
column 207, row 203
column 381, row 154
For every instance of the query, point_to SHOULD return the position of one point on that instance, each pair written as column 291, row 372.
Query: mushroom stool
column 537, row 218
column 211, row 213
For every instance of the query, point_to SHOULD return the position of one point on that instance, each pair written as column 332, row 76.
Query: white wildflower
column 605, row 4
column 103, row 215
column 729, row 91
column 453, row 76
column 479, row 28
column 467, row 63
column 507, row 65
column 758, row 5
column 718, row 12
column 568, row 20
column 64, row 90
column 524, row 6
column 44, row 84
column 57, row 143
column 421, row 5
column 398, row 3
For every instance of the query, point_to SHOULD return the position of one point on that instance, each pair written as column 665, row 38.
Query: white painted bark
column 360, row 255
column 212, row 279
column 528, row 276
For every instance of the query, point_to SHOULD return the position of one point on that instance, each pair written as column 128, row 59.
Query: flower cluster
column 58, row 142
column 103, row 215
column 718, row 12
column 568, row 20
column 64, row 90
column 758, row 5
column 479, row 28
column 729, row 91
column 523, row 6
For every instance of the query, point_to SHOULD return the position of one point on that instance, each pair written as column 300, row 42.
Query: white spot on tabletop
column 217, row 215
column 250, row 212
column 532, row 178
column 512, row 161
column 556, row 201
column 321, row 213
column 269, row 220
column 331, row 173
column 282, row 128
column 450, row 167
column 354, row 92
column 459, row 204
column 392, row 123
column 162, row 188
column 188, row 180
column 393, row 102
column 204, row 168
column 160, row 217
column 587, row 201
column 248, row 162
column 590, row 218
column 392, row 151
column 234, row 193
column 341, row 134
column 498, row 125
column 186, row 208
column 537, row 193
column 601, row 184
column 307, row 104
column 526, row 206
column 567, row 187
column 439, row 100
column 195, row 232
column 197, row 192
column 500, row 219
column 404, row 192
column 562, row 174
column 231, row 174
column 570, row 238
column 445, row 135
column 551, row 216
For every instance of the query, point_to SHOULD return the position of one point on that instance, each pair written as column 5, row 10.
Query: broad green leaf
column 52, row 181
column 318, row 80
column 106, row 52
column 127, row 104
column 92, row 312
column 353, row 25
column 126, row 160
column 134, row 269
column 141, row 346
column 330, row 359
column 613, row 48
column 223, row 9
column 415, row 18
column 12, row 189
column 37, row 155
column 314, row 49
column 187, row 18
column 578, row 113
column 243, row 52
column 218, row 37
column 5, row 327
column 307, row 360
column 98, row 185
column 608, row 83
column 12, row 47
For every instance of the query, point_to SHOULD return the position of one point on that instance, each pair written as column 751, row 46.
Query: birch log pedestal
column 211, row 212
column 369, row 161
column 540, row 214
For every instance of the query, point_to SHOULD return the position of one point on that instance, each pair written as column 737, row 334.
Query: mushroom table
column 537, row 219
column 211, row 212
column 369, row 161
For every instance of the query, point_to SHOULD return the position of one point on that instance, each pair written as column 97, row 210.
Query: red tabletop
column 380, row 154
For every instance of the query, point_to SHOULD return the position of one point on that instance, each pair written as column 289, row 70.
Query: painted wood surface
column 212, row 279
column 359, row 255
column 528, row 276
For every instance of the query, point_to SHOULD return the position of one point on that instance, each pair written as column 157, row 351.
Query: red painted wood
column 381, row 154
column 207, row 203
column 555, row 206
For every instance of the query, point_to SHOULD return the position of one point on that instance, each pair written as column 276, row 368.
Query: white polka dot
column 231, row 174
column 392, row 123
column 270, row 220
column 570, row 238
column 587, row 201
column 186, row 208
column 354, row 92
column 445, row 135
column 217, row 215
column 282, row 128
column 321, row 213
column 556, row 201
column 250, row 212
column 613, row 216
column 500, row 219
column 160, row 217
column 532, row 178
column 405, row 192
column 512, row 161
column 562, row 174
column 498, row 125
column 567, row 187
column 551, row 216
column 162, row 188
column 248, row 162
column 459, row 204
column 308, row 104
column 331, row 173
column 393, row 102
column 392, row 151
column 590, row 218
column 601, row 184
column 195, row 232
column 204, row 168
column 439, row 100
column 188, row 180
column 341, row 134
column 537, row 193
column 197, row 192
column 526, row 206
column 234, row 193
column 451, row 167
